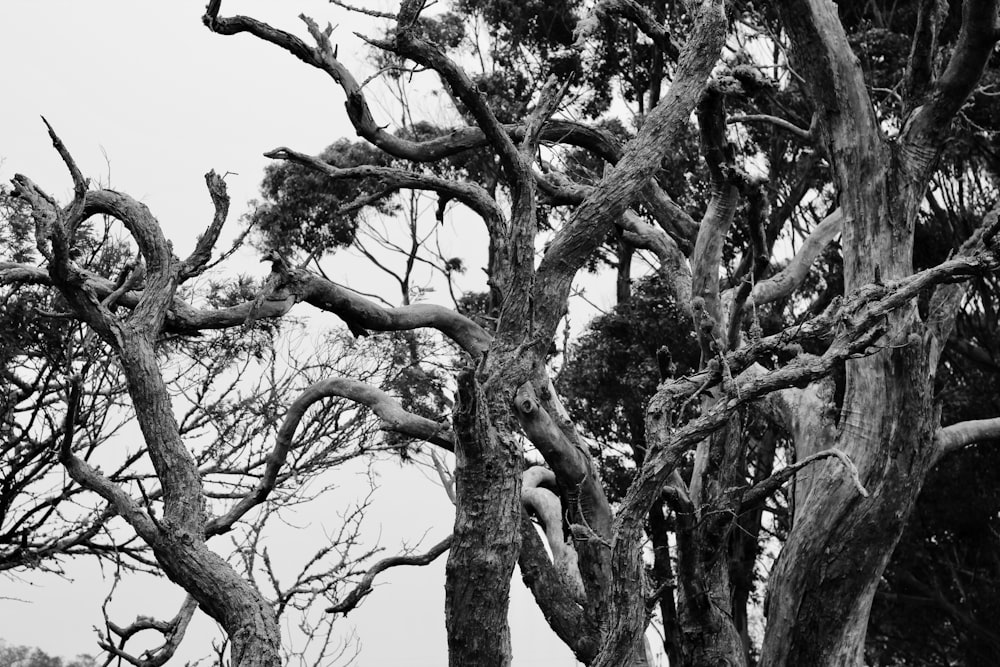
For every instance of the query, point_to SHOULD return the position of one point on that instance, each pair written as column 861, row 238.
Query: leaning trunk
column 245, row 616
column 179, row 543
column 825, row 580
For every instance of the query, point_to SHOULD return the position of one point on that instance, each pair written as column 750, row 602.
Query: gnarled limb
column 925, row 131
column 588, row 506
column 560, row 607
column 297, row 285
column 197, row 262
column 619, row 188
column 323, row 57
column 172, row 632
column 178, row 540
column 544, row 504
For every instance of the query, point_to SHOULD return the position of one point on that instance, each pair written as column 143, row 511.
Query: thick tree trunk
column 487, row 529
column 709, row 636
column 245, row 616
column 705, row 601
column 825, row 580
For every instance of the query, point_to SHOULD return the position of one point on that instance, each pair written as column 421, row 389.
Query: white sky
column 148, row 100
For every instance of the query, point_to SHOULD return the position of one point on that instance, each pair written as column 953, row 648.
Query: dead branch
column 762, row 490
column 364, row 587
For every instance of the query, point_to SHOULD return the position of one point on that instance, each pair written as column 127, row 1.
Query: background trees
column 845, row 362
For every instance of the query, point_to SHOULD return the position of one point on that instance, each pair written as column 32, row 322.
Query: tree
column 869, row 446
column 25, row 656
column 230, row 390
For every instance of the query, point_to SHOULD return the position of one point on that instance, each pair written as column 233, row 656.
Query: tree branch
column 643, row 19
column 785, row 282
column 297, row 285
column 470, row 194
column 773, row 120
column 364, row 587
column 387, row 408
column 173, row 632
column 196, row 263
column 924, row 133
column 590, row 223
column 955, row 437
column 763, row 490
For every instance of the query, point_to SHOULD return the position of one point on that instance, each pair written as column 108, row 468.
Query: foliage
column 303, row 209
column 25, row 656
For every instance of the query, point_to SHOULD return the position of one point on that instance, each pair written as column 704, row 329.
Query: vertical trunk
column 487, row 528
column 663, row 575
column 823, row 584
column 705, row 601
column 745, row 543
column 709, row 636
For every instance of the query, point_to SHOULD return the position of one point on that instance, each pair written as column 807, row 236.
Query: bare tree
column 868, row 464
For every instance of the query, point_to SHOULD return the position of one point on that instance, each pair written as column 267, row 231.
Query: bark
column 561, row 610
column 745, row 541
column 823, row 584
column 705, row 601
column 487, row 530
column 825, row 580
column 178, row 537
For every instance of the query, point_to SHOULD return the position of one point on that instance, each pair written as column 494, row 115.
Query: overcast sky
column 148, row 100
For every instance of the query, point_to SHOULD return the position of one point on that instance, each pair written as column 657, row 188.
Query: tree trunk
column 487, row 528
column 825, row 580
column 245, row 616
column 179, row 543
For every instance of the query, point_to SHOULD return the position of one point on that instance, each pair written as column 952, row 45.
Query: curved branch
column 772, row 120
column 643, row 19
column 762, row 490
column 196, row 263
column 388, row 409
column 784, row 282
column 173, row 632
column 561, row 609
column 364, row 587
column 568, row 464
column 545, row 505
column 296, row 285
column 410, row 44
column 474, row 196
column 927, row 128
column 461, row 139
column 955, row 437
